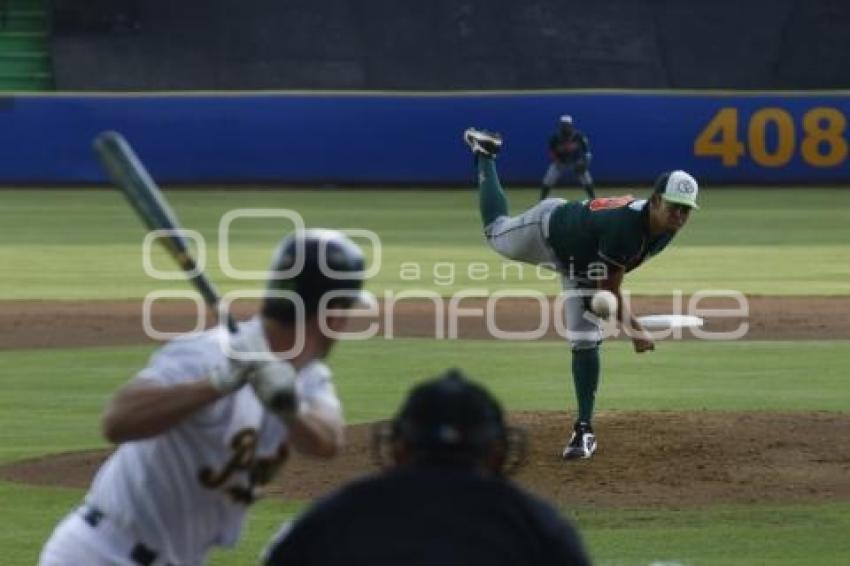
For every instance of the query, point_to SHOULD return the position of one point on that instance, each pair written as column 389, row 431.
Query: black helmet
column 453, row 420
column 310, row 264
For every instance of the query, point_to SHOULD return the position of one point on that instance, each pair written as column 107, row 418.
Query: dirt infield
column 53, row 324
column 645, row 459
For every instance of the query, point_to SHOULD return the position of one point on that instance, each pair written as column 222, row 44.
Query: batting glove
column 243, row 351
column 274, row 384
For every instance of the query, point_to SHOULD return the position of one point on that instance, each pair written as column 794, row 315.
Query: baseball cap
column 678, row 187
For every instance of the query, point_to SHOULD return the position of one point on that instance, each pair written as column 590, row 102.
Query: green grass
column 797, row 534
column 52, row 398
column 28, row 516
column 85, row 244
column 776, row 535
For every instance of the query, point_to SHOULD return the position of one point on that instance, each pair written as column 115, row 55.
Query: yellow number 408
column 823, row 142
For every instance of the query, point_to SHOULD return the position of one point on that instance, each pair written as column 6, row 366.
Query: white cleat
column 482, row 142
column 582, row 443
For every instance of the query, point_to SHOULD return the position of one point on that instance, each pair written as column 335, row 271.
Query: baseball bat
column 128, row 173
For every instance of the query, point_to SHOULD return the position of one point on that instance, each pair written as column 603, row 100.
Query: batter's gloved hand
column 242, row 350
column 274, row 384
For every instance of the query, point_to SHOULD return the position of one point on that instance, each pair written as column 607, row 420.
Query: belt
column 139, row 553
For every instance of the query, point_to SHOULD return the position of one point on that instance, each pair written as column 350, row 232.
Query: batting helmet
column 309, row 265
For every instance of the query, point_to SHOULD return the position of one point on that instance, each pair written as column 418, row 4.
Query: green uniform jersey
column 606, row 230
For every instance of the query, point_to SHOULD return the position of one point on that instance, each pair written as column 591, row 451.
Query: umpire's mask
column 452, row 421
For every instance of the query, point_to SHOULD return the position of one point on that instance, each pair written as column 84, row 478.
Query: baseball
column 604, row 304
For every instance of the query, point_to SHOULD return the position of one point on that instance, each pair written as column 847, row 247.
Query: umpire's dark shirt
column 433, row 516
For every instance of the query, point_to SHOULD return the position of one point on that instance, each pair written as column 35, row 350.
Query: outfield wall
column 369, row 138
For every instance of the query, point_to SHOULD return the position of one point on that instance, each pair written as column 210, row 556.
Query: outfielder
column 213, row 416
column 593, row 244
column 569, row 149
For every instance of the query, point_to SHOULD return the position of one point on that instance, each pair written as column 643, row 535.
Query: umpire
column 444, row 500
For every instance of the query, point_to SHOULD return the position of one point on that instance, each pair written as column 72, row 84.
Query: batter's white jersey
column 186, row 490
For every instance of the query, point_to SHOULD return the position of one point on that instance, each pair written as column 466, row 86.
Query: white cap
column 679, row 187
column 566, row 119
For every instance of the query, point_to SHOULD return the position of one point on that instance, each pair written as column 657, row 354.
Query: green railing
column 24, row 54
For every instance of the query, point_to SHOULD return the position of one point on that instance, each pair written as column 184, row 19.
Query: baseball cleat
column 482, row 142
column 582, row 443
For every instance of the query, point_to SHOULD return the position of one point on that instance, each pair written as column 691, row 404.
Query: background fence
column 291, row 138
column 450, row 44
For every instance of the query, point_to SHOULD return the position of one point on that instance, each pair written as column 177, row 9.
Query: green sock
column 586, row 380
column 491, row 197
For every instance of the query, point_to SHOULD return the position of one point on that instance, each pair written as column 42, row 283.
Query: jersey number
column 244, row 459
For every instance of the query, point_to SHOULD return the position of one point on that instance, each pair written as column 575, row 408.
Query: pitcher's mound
column 645, row 459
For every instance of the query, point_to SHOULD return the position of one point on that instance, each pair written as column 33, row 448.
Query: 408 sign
column 772, row 137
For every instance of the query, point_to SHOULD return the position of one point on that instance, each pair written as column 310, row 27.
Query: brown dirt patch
column 54, row 324
column 645, row 459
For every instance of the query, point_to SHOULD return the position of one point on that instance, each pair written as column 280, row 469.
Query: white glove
column 242, row 350
column 274, row 384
